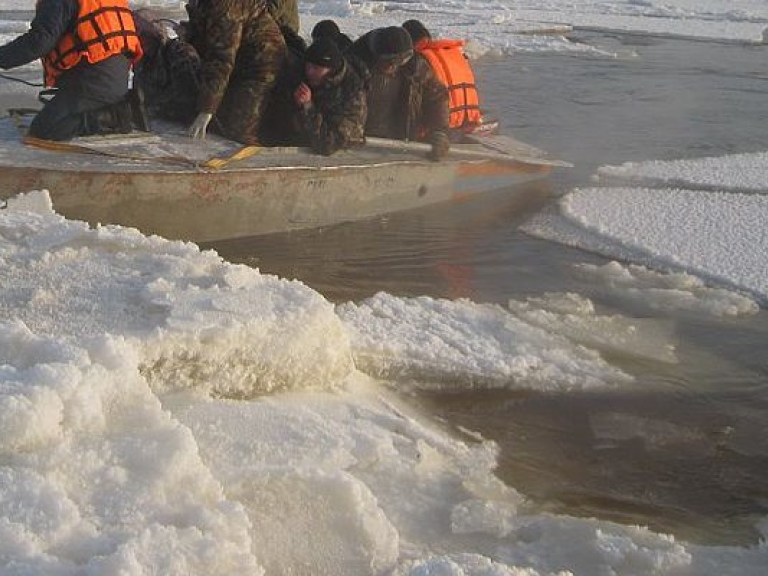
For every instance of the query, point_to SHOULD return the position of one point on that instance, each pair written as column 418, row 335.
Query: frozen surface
column 722, row 237
column 162, row 411
column 733, row 173
column 133, row 366
column 505, row 26
column 443, row 341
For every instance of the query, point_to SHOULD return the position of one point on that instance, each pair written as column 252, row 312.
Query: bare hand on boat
column 303, row 95
column 200, row 125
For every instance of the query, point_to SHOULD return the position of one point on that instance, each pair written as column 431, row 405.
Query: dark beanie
column 390, row 43
column 325, row 28
column 324, row 52
column 417, row 30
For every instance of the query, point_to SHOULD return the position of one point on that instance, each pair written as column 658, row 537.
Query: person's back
column 285, row 13
column 452, row 68
column 241, row 50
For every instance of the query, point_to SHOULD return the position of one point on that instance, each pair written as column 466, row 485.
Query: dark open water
column 685, row 450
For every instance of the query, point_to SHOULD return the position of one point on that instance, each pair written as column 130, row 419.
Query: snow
column 732, row 173
column 459, row 341
column 720, row 236
column 507, row 26
column 163, row 411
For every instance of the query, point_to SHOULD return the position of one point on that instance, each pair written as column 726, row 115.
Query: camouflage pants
column 256, row 70
column 171, row 81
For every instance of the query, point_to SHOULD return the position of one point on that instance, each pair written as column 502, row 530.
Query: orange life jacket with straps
column 452, row 68
column 103, row 29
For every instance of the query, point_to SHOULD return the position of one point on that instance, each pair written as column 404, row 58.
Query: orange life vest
column 103, row 29
column 451, row 67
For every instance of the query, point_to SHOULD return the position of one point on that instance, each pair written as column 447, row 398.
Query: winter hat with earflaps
column 391, row 45
column 325, row 29
column 324, row 52
column 417, row 31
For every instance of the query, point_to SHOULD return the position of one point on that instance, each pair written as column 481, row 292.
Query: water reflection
column 445, row 250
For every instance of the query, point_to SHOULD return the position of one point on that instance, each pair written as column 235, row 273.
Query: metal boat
column 164, row 183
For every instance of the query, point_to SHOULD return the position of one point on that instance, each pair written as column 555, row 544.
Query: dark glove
column 440, row 145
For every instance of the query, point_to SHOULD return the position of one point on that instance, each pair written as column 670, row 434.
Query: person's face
column 315, row 75
column 390, row 65
column 388, row 68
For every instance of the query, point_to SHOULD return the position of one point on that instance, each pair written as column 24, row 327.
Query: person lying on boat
column 168, row 73
column 329, row 29
column 241, row 50
column 452, row 68
column 405, row 99
column 87, row 48
column 319, row 102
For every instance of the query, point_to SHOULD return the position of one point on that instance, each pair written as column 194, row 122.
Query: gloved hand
column 200, row 125
column 440, row 145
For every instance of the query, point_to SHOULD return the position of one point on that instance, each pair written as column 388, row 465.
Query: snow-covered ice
column 163, row 411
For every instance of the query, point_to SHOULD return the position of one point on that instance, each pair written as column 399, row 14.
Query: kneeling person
column 87, row 47
column 331, row 99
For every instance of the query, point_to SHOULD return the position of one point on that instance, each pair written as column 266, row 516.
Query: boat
column 164, row 183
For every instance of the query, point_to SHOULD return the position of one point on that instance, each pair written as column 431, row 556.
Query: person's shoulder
column 357, row 67
column 418, row 64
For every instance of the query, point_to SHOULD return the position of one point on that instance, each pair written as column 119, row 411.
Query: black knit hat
column 325, row 28
column 391, row 44
column 416, row 30
column 324, row 52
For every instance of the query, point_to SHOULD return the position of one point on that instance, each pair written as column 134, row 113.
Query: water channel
column 685, row 450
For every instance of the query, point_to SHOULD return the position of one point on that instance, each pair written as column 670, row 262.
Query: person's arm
column 435, row 107
column 52, row 19
column 338, row 128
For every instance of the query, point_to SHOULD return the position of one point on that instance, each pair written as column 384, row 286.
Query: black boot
column 112, row 119
column 139, row 114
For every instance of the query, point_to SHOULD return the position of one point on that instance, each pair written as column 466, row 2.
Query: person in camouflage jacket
column 331, row 99
column 241, row 51
column 406, row 101
column 169, row 72
column 326, row 115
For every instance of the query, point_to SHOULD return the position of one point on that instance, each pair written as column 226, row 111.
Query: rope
column 57, row 146
column 22, row 81
column 211, row 164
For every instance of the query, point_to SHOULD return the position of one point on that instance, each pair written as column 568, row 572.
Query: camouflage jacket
column 232, row 38
column 336, row 117
column 170, row 77
column 285, row 13
column 423, row 106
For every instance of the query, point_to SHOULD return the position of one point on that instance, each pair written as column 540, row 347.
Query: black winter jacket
column 106, row 79
column 52, row 19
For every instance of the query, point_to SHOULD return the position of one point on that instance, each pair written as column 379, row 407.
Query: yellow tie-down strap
column 242, row 154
